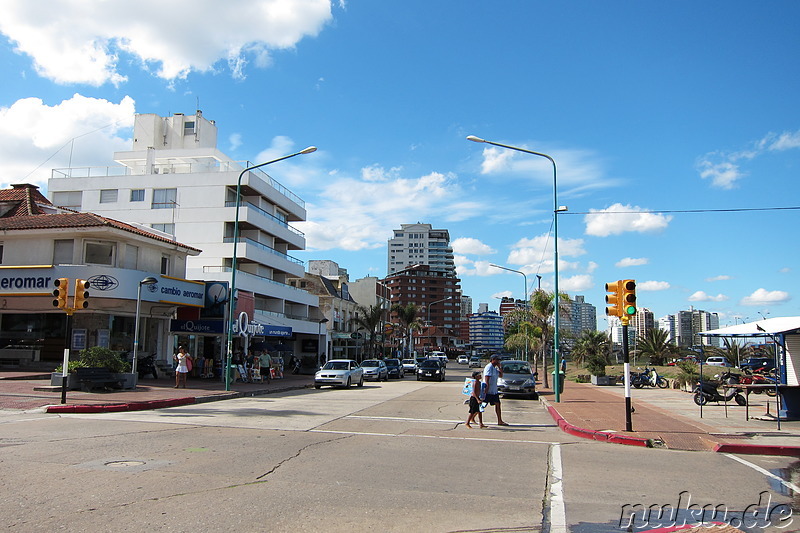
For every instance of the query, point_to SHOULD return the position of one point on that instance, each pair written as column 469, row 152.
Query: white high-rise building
column 176, row 181
column 420, row 244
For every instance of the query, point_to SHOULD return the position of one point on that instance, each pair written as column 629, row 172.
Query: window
column 137, row 195
column 165, row 265
column 166, row 228
column 63, row 251
column 188, row 127
column 131, row 256
column 164, row 198
column 100, row 253
column 70, row 199
column 108, row 196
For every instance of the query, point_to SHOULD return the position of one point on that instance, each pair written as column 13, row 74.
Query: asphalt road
column 386, row 457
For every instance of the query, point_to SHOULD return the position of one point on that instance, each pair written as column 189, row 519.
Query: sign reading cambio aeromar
column 103, row 283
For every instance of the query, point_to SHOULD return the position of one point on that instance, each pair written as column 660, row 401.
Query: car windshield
column 336, row 365
column 392, row 362
column 371, row 362
column 408, row 362
column 516, row 368
column 429, row 363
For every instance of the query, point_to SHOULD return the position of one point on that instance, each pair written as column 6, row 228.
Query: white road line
column 767, row 473
column 405, row 435
column 558, row 513
column 436, row 421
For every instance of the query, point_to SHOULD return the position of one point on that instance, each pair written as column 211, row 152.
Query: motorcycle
column 758, row 378
column 147, row 365
column 707, row 391
column 648, row 377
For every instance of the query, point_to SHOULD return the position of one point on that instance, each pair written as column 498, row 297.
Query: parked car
column 717, row 360
column 375, row 369
column 517, row 379
column 431, row 369
column 475, row 362
column 409, row 365
column 754, row 363
column 395, row 368
column 462, row 360
column 339, row 373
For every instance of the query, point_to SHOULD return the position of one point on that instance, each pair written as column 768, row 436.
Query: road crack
column 297, row 454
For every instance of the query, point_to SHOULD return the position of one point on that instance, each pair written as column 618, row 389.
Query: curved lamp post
column 556, row 210
column 149, row 280
column 229, row 339
column 436, row 302
column 525, row 292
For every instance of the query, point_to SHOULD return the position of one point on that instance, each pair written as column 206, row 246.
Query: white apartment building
column 176, row 181
column 420, row 244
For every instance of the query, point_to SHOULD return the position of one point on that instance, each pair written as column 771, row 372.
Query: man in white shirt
column 491, row 373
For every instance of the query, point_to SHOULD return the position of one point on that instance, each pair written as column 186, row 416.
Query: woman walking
column 183, row 360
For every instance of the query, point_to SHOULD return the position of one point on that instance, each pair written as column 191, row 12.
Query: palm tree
column 370, row 318
column 409, row 321
column 541, row 308
column 592, row 347
column 522, row 334
column 656, row 347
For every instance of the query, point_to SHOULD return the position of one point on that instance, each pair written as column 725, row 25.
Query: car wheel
column 419, row 378
column 317, row 386
column 361, row 382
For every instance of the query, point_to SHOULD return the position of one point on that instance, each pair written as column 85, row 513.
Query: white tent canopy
column 770, row 326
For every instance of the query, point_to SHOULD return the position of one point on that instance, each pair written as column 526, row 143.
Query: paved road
column 387, row 457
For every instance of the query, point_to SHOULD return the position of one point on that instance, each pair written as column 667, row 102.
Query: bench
column 91, row 378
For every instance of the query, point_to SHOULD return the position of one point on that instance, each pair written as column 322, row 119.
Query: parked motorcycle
column 707, row 391
column 147, row 365
column 648, row 377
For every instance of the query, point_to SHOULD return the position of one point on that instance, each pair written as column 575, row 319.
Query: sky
column 675, row 128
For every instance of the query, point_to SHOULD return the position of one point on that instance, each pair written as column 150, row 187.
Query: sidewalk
column 27, row 390
column 668, row 418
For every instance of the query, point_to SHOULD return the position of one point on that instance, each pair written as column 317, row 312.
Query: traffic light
column 614, row 298
column 62, row 288
column 81, row 294
column 628, row 297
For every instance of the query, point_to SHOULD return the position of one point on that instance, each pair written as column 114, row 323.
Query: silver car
column 517, row 379
column 375, row 369
column 339, row 373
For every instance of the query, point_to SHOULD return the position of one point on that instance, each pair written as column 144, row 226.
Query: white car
column 339, row 373
column 409, row 365
column 717, row 361
column 462, row 360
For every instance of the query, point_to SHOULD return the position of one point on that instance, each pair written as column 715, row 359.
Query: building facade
column 486, row 332
column 176, row 181
column 420, row 244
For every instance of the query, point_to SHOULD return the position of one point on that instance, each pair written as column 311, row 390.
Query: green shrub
column 99, row 357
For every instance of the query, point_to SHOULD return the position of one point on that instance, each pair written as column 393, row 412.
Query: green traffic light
column 630, row 310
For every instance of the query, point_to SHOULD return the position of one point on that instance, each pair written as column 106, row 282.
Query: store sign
column 207, row 327
column 244, row 327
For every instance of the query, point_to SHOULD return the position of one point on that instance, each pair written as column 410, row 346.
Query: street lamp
column 525, row 300
column 319, row 342
column 436, row 302
column 229, row 340
column 556, row 210
column 149, row 280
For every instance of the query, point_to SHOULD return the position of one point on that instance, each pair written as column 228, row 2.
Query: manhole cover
column 124, row 464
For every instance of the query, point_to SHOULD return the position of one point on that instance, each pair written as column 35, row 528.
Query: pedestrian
column 475, row 400
column 182, row 361
column 266, row 365
column 491, row 374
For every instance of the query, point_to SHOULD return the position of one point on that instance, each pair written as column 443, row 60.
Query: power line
column 731, row 210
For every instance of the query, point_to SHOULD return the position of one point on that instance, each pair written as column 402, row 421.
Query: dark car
column 395, row 368
column 430, row 369
column 754, row 363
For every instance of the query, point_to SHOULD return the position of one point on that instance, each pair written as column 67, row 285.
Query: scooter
column 707, row 391
column 648, row 377
column 147, row 365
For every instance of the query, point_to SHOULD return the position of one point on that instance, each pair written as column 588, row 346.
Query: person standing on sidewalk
column 491, row 374
column 182, row 360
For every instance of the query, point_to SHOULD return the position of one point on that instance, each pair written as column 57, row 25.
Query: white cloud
column 378, row 173
column 763, row 297
column 574, row 284
column 701, row 296
column 468, row 267
column 630, row 261
column 235, row 141
column 504, row 294
column 538, row 250
column 721, row 277
column 618, row 218
column 76, row 132
column 468, row 245
column 724, row 168
column 72, row 41
column 652, row 286
column 785, row 270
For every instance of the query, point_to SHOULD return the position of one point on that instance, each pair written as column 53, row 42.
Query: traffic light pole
column 627, row 370
column 65, row 366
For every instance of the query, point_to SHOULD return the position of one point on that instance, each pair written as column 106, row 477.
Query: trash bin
column 558, row 386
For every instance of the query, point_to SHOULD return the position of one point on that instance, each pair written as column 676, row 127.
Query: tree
column 656, row 347
column 521, row 333
column 592, row 346
column 541, row 309
column 409, row 321
column 370, row 318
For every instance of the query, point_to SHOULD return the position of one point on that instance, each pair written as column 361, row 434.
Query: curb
column 758, row 449
column 592, row 434
column 120, row 407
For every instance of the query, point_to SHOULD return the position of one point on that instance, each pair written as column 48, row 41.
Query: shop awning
column 770, row 326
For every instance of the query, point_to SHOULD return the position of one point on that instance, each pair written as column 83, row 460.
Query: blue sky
column 666, row 120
